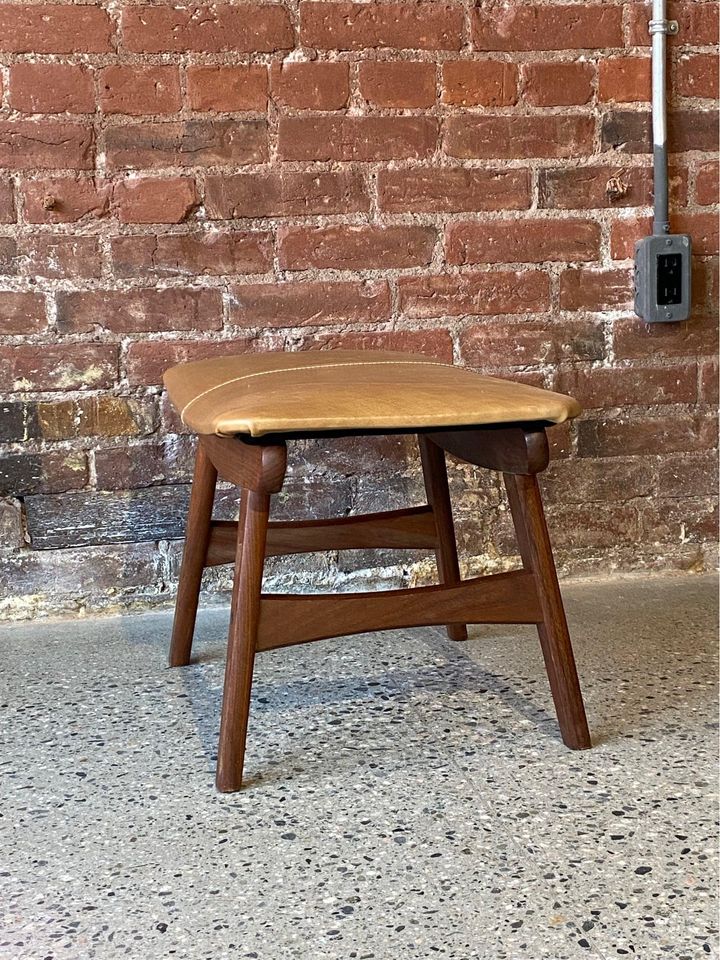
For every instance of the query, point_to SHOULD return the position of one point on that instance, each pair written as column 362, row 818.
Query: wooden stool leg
column 244, row 618
column 438, row 496
column 536, row 551
column 197, row 536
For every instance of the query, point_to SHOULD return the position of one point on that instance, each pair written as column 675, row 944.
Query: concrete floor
column 407, row 797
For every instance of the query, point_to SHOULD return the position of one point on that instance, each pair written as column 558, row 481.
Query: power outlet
column 662, row 278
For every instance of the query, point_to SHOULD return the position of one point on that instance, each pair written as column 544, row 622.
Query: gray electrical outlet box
column 662, row 278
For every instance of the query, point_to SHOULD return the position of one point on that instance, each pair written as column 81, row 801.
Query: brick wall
column 465, row 180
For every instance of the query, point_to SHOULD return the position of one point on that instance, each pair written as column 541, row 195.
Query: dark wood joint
column 514, row 448
column 251, row 465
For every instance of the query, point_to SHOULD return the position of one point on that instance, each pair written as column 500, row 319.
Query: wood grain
column 515, row 449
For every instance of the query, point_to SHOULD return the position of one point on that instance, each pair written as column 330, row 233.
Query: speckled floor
column 407, row 797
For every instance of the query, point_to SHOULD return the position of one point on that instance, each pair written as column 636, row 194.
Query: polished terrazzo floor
column 407, row 797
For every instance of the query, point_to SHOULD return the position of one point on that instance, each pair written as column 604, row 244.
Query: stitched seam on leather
column 313, row 366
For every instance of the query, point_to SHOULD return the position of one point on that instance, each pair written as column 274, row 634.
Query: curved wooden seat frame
column 266, row 621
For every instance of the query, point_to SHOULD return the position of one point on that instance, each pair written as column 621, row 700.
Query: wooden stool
column 246, row 408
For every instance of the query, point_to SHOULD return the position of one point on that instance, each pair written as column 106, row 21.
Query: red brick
column 60, row 257
column 67, row 366
column 592, row 526
column 284, row 193
column 432, row 343
column 703, row 228
column 553, row 27
column 346, row 247
column 51, row 88
column 595, row 289
column 150, row 200
column 65, row 200
column 8, row 257
column 144, row 464
column 557, row 84
column 518, row 137
column 698, row 22
column 30, row 144
column 398, row 84
column 479, row 83
column 606, row 387
column 356, row 138
column 591, row 481
column 26, row 474
column 61, row 28
column 136, row 311
column 496, row 344
column 683, row 475
column 247, row 28
column 679, row 521
column 486, row 292
column 584, row 188
column 227, row 88
column 635, row 435
column 628, row 131
column 522, row 241
column 708, row 385
column 310, row 304
column 696, row 75
column 7, row 203
column 404, row 26
column 139, row 90
column 189, row 255
column 147, row 360
column 186, row 144
column 706, row 184
column 624, row 79
column 22, row 313
column 635, row 340
column 452, row 190
column 310, row 86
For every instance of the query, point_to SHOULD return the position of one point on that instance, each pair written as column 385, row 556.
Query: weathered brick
column 7, row 203
column 51, row 88
column 606, row 387
column 431, row 343
column 65, row 200
column 147, row 360
column 316, row 85
column 59, row 578
column 708, row 383
column 635, row 340
column 480, row 293
column 188, row 143
column 8, row 257
column 551, row 27
column 101, row 415
column 68, row 366
column 635, row 435
column 591, row 481
column 699, row 21
column 356, row 26
column 624, row 79
column 398, row 84
column 249, row 28
column 310, row 304
column 673, row 521
column 12, row 536
column 356, row 138
column 703, row 227
column 30, row 473
column 557, row 84
column 348, row 247
column 61, row 28
column 155, row 200
column 46, row 144
column 145, row 464
column 688, row 475
column 137, row 90
column 227, row 88
column 706, row 183
column 284, row 193
column 583, row 188
column 452, row 190
column 592, row 526
column 503, row 345
column 628, row 131
column 134, row 311
column 518, row 137
column 479, row 83
column 697, row 76
column 14, row 420
column 22, row 313
column 522, row 241
column 190, row 255
column 59, row 257
column 595, row 289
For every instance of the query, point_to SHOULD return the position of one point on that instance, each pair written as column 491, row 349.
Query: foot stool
column 246, row 408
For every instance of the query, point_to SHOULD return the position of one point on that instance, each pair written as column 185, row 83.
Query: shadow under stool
column 245, row 409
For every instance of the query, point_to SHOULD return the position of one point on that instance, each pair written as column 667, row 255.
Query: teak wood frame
column 264, row 621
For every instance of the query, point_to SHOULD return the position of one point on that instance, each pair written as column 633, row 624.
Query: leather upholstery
column 348, row 390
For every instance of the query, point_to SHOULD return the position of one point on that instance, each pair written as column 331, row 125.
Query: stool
column 246, row 408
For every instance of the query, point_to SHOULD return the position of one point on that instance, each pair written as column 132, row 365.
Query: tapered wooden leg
column 244, row 618
column 197, row 537
column 438, row 496
column 536, row 551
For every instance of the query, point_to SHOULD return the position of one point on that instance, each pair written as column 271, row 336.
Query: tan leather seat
column 348, row 390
